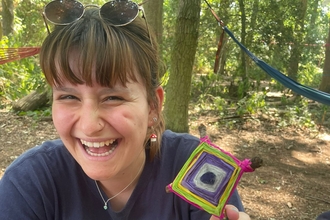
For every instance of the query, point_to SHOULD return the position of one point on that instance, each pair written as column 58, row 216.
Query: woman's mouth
column 100, row 149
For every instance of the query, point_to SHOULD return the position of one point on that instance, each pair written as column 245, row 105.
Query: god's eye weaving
column 209, row 177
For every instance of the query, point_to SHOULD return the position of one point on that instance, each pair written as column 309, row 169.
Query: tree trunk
column 223, row 56
column 154, row 15
column 182, row 61
column 31, row 102
column 7, row 17
column 224, row 12
column 325, row 83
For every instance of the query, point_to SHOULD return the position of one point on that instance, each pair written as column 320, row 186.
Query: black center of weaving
column 208, row 178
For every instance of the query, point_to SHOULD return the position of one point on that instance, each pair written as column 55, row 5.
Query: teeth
column 100, row 155
column 97, row 144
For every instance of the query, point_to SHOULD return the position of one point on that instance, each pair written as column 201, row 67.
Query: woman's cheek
column 62, row 117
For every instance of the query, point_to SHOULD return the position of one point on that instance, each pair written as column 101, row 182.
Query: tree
column 182, row 62
column 7, row 17
column 325, row 83
column 224, row 12
column 154, row 15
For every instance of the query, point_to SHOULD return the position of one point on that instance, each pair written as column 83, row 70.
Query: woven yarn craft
column 209, row 177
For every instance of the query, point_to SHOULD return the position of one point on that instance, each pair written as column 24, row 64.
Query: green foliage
column 298, row 115
column 210, row 94
column 37, row 114
column 169, row 17
column 206, row 86
column 310, row 75
column 29, row 24
column 18, row 78
column 270, row 38
column 251, row 104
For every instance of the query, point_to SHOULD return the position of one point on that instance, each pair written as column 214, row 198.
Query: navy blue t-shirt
column 47, row 183
column 324, row 216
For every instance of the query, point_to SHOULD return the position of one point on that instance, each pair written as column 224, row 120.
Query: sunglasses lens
column 63, row 12
column 119, row 13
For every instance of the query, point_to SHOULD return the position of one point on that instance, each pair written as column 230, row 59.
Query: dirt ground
column 293, row 182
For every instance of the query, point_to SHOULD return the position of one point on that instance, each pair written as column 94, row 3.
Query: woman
column 107, row 103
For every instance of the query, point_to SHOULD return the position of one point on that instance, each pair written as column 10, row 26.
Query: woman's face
column 103, row 128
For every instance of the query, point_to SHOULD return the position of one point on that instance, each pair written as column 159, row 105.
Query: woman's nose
column 91, row 121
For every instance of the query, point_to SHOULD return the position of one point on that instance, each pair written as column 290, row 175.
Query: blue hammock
column 308, row 92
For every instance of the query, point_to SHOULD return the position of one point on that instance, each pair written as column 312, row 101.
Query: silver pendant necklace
column 106, row 202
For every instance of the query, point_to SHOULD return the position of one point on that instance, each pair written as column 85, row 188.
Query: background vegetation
column 289, row 35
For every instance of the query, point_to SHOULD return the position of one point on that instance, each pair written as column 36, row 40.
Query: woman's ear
column 156, row 108
column 160, row 97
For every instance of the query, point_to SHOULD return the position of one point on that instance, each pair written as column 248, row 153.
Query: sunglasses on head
column 116, row 12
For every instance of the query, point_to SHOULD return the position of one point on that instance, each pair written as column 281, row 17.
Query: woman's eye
column 114, row 98
column 63, row 97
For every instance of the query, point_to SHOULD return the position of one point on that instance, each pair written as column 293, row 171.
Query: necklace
column 106, row 202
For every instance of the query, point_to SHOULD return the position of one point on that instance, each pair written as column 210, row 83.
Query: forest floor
column 293, row 182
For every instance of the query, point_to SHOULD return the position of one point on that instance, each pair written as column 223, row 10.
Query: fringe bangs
column 105, row 55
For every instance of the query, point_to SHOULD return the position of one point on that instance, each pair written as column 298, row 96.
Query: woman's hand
column 232, row 213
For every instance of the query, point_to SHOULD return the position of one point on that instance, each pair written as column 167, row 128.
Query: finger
column 244, row 216
column 232, row 212
column 214, row 218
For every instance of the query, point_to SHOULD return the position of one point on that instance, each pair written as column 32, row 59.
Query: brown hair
column 115, row 52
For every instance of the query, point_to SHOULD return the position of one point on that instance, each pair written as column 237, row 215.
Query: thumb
column 214, row 218
column 231, row 212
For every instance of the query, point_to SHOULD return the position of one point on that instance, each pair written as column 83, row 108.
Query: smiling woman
column 113, row 159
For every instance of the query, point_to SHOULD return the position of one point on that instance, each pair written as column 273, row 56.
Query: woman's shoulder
column 173, row 139
column 48, row 155
column 324, row 216
column 178, row 145
column 43, row 182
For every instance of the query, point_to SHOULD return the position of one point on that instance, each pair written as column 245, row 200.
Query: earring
column 153, row 138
